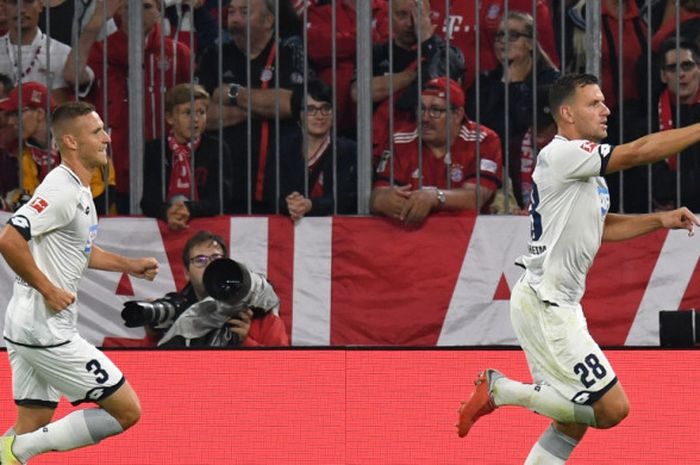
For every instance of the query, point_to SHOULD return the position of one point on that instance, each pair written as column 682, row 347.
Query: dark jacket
column 206, row 173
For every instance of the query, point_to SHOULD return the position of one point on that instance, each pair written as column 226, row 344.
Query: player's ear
column 69, row 141
column 565, row 114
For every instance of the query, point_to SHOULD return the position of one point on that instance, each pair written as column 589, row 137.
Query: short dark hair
column 683, row 44
column 66, row 112
column 565, row 87
column 70, row 110
column 201, row 237
column 319, row 91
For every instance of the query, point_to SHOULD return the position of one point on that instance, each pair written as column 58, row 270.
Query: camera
column 231, row 289
column 159, row 313
column 227, row 281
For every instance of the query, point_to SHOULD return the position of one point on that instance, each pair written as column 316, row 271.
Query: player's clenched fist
column 58, row 299
column 681, row 218
column 145, row 267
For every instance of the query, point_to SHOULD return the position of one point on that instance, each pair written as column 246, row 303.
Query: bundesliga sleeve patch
column 588, row 146
column 21, row 224
column 38, row 204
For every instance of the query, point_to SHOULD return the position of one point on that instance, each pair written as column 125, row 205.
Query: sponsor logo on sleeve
column 38, row 204
column 489, row 165
column 92, row 234
column 20, row 222
column 604, row 150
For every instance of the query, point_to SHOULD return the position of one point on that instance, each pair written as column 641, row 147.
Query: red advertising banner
column 369, row 407
column 368, row 281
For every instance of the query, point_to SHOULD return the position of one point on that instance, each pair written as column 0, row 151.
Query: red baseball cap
column 438, row 87
column 34, row 95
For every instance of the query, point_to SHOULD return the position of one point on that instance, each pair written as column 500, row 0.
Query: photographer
column 192, row 318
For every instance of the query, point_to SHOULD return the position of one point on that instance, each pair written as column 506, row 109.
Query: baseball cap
column 34, row 95
column 438, row 87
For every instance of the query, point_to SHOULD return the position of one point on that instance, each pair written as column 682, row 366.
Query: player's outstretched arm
column 17, row 254
column 652, row 148
column 621, row 227
column 144, row 267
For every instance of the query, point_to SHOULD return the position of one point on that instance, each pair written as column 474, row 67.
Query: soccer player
column 49, row 242
column 575, row 385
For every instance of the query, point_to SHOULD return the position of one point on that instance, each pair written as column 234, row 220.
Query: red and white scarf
column 181, row 173
column 45, row 160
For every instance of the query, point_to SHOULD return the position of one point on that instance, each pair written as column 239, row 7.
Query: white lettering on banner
column 249, row 242
column 311, row 295
column 99, row 305
column 473, row 318
column 666, row 287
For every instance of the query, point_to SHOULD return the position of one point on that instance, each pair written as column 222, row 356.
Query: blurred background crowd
column 400, row 108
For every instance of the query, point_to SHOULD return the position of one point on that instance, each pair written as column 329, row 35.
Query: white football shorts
column 76, row 369
column 559, row 349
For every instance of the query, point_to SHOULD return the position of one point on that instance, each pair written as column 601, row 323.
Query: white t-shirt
column 62, row 222
column 570, row 199
column 34, row 62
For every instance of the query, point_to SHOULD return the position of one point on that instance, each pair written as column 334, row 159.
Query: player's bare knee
column 613, row 415
column 129, row 417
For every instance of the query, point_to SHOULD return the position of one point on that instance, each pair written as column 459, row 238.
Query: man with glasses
column 250, row 328
column 681, row 75
column 452, row 175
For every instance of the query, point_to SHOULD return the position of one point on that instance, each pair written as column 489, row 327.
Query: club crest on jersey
column 604, row 196
column 457, row 173
column 38, row 204
column 589, row 146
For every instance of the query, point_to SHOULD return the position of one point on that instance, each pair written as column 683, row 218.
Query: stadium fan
column 447, row 178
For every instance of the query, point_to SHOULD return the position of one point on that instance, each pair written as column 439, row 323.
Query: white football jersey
column 61, row 224
column 570, row 199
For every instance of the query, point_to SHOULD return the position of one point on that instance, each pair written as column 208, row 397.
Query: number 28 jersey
column 570, row 200
column 60, row 224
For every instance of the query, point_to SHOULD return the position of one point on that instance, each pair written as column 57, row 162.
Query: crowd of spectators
column 248, row 111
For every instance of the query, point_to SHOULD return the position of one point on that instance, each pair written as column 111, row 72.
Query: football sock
column 541, row 399
column 77, row 429
column 552, row 448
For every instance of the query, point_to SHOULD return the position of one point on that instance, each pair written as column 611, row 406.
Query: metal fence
column 257, row 44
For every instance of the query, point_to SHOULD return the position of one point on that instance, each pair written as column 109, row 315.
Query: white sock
column 541, row 399
column 539, row 456
column 552, row 448
column 77, row 429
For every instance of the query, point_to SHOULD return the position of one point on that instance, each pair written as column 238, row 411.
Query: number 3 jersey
column 60, row 224
column 570, row 200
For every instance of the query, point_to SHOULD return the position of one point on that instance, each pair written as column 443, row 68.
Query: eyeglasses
column 200, row 261
column 325, row 109
column 433, row 112
column 512, row 35
column 685, row 66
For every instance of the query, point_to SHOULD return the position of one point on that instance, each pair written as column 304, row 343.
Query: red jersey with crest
column 435, row 171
